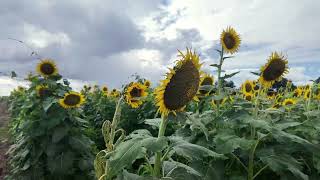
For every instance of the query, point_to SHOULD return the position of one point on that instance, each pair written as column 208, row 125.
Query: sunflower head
column 274, row 69
column 72, row 100
column 181, row 84
column 247, row 86
column 47, row 67
column 271, row 93
column 307, row 93
column 230, row 40
column 134, row 93
column 206, row 80
column 248, row 96
column 42, row 90
column 115, row 93
column 288, row 102
column 297, row 92
column 147, row 83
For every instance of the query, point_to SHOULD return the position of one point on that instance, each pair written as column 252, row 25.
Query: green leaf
column 62, row 163
column 125, row 175
column 153, row 122
column 199, row 124
column 192, row 151
column 256, row 73
column 47, row 104
column 179, row 171
column 124, row 155
column 215, row 65
column 285, row 163
column 154, row 144
column 59, row 133
column 226, row 143
column 226, row 76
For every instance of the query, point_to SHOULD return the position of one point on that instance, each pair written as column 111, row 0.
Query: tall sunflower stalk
column 271, row 72
column 230, row 43
column 175, row 92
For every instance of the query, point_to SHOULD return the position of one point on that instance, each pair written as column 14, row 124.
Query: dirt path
column 4, row 144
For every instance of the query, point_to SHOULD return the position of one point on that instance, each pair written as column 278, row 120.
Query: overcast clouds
column 107, row 41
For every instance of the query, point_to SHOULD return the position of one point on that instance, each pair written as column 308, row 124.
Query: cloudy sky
column 106, row 41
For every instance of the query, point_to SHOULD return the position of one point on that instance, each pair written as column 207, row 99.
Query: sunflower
column 105, row 90
column 248, row 96
column 206, row 80
column 115, row 93
column 230, row 40
column 134, row 93
column 274, row 69
column 147, row 83
column 307, row 94
column 271, row 93
column 181, row 84
column 72, row 100
column 289, row 102
column 247, row 86
column 42, row 90
column 47, row 67
column 297, row 92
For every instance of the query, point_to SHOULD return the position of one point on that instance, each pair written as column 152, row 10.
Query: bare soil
column 4, row 143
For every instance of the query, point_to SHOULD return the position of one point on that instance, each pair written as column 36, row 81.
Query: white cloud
column 265, row 26
column 40, row 38
column 8, row 84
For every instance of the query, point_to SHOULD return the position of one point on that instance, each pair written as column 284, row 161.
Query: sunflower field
column 190, row 126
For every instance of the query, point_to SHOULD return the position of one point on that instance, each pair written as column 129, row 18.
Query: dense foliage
column 48, row 140
column 188, row 128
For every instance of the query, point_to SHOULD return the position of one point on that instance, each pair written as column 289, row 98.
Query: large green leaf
column 124, row 155
column 191, row 151
column 283, row 163
column 179, row 171
column 59, row 133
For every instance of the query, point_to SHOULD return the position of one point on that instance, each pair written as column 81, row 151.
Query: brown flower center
column 248, row 87
column 274, row 70
column 229, row 40
column 136, row 92
column 47, row 68
column 72, row 99
column 182, row 87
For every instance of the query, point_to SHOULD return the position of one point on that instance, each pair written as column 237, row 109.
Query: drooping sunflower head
column 288, row 102
column 134, row 93
column 230, row 40
column 274, row 69
column 181, row 84
column 47, row 67
column 72, row 100
column 248, row 96
column 247, row 86
column 206, row 80
column 42, row 90
column 147, row 83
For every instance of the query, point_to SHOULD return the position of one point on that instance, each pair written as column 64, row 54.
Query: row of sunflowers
column 189, row 127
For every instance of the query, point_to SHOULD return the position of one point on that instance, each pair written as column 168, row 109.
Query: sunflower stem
column 158, row 162
column 219, row 80
column 115, row 121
